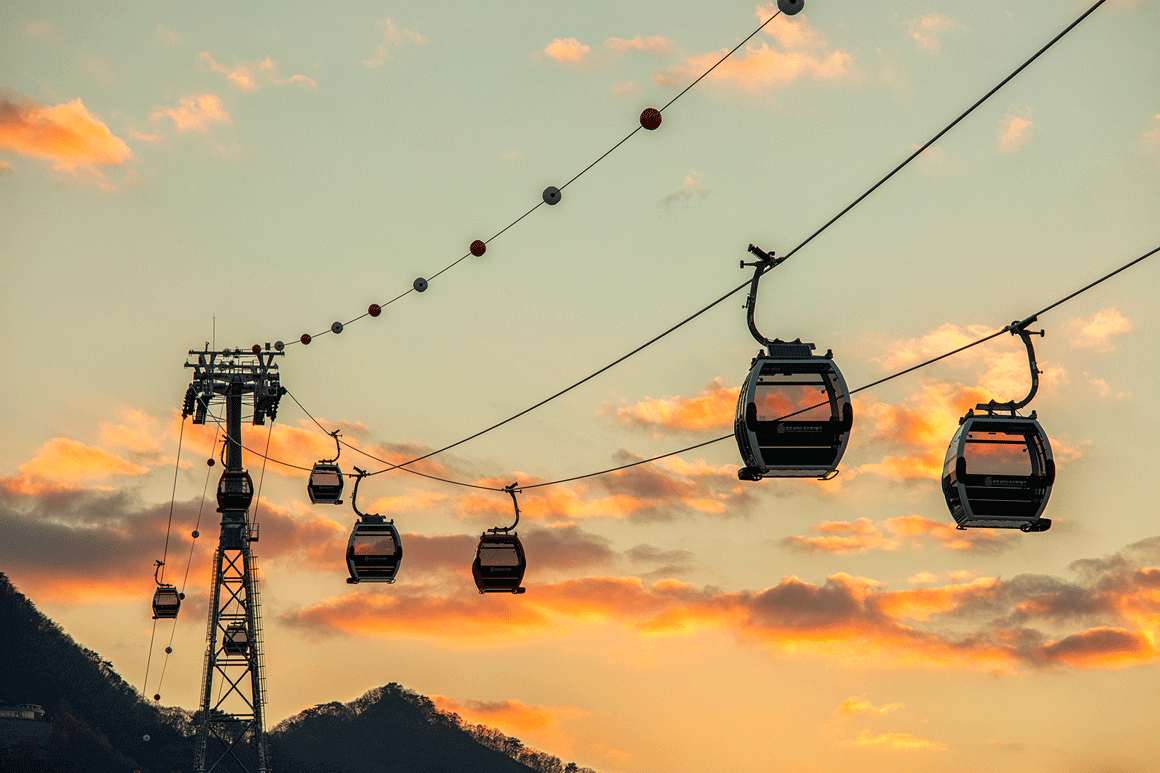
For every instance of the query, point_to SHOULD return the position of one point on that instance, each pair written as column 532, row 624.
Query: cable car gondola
column 499, row 559
column 793, row 412
column 236, row 640
column 325, row 486
column 375, row 549
column 999, row 470
column 235, row 490
column 166, row 599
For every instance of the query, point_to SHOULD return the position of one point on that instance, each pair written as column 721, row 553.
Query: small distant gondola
column 166, row 599
column 375, row 550
column 236, row 640
column 235, row 490
column 325, row 486
column 499, row 559
column 793, row 412
column 999, row 469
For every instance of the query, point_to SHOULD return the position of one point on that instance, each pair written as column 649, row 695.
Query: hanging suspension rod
column 505, row 529
column 1019, row 328
column 766, row 261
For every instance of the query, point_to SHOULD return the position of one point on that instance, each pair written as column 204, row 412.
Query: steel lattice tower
column 231, row 733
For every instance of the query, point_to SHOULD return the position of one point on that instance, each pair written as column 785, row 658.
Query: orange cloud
column 1097, row 331
column 62, row 460
column 901, row 741
column 195, row 113
column 911, row 531
column 1015, row 130
column 67, row 135
column 513, row 714
column 855, row 706
column 801, row 51
column 843, row 617
column 567, row 50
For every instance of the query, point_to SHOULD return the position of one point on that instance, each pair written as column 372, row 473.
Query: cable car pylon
column 230, row 729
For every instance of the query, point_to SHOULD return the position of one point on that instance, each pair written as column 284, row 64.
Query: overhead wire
column 864, row 387
column 744, row 284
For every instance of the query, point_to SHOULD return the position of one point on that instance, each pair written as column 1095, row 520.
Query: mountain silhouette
column 99, row 722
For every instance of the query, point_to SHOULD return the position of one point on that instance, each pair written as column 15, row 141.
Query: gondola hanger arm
column 1019, row 328
column 765, row 261
column 511, row 489
column 338, row 445
column 354, row 495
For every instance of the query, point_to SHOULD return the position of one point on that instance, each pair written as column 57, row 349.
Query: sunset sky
column 173, row 174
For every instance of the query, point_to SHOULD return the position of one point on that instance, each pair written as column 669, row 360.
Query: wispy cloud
column 194, row 113
column 852, row 707
column 912, row 532
column 926, row 29
column 67, row 135
column 394, row 36
column 692, row 190
column 655, row 44
column 247, row 76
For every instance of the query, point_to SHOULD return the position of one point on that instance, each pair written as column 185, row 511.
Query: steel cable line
column 862, row 388
column 744, row 284
column 338, row 327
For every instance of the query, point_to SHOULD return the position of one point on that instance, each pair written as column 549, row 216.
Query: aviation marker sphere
column 790, row 7
column 157, row 697
column 279, row 346
column 374, row 310
column 420, row 285
column 256, row 349
column 168, row 650
column 478, row 248
column 196, row 533
column 336, row 327
column 650, row 118
column 209, row 462
column 181, row 596
column 305, row 339
column 552, row 195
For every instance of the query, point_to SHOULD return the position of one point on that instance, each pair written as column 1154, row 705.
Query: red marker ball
column 478, row 248
column 256, row 349
column 209, row 462
column 305, row 339
column 156, row 697
column 650, row 118
column 375, row 310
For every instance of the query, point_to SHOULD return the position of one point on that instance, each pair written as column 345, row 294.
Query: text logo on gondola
column 782, row 428
column 991, row 482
